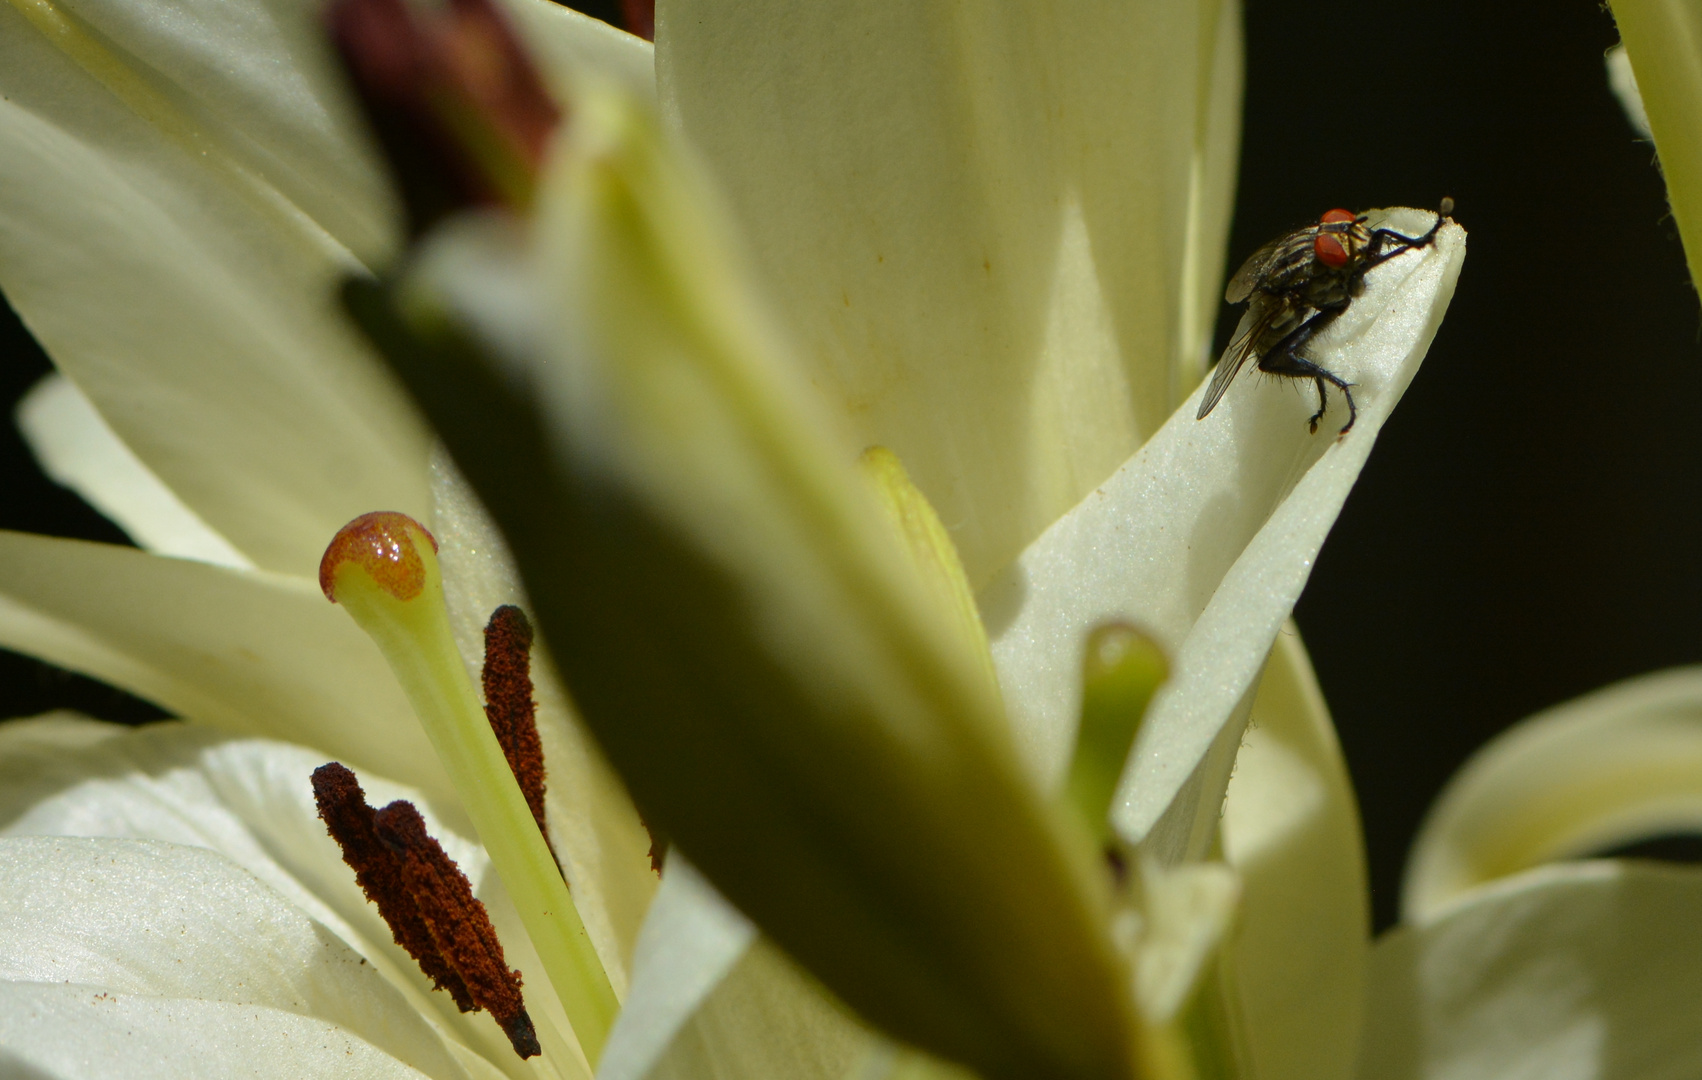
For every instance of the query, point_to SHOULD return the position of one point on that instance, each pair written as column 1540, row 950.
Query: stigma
column 383, row 547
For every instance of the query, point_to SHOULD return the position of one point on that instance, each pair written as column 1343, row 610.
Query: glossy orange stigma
column 382, row 544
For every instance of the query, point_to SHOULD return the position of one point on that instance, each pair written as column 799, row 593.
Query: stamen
column 509, row 705
column 1122, row 670
column 368, row 570
column 343, row 808
column 458, row 922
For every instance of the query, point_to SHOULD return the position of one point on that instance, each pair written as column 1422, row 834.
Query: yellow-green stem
column 1121, row 670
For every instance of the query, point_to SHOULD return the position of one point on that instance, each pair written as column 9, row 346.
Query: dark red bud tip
column 639, row 17
column 459, row 110
column 1335, row 217
column 487, row 63
column 382, row 544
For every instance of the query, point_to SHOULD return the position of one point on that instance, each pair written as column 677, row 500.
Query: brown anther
column 343, row 808
column 458, row 922
column 509, row 705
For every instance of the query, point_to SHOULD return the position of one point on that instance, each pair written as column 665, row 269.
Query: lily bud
column 787, row 695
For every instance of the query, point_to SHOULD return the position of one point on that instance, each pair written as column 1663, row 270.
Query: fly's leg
column 1298, row 367
column 1284, row 359
column 1379, row 237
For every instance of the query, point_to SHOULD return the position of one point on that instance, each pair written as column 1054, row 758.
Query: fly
column 1298, row 285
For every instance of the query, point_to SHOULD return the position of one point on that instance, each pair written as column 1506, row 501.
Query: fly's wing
column 1259, row 318
column 1269, row 261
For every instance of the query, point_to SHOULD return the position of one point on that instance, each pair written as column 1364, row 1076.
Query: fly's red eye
column 1334, row 217
column 1330, row 251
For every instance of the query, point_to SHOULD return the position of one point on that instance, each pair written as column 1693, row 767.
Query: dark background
column 1529, row 526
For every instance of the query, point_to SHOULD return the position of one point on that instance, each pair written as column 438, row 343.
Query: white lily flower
column 1511, row 961
column 234, row 194
column 1016, row 346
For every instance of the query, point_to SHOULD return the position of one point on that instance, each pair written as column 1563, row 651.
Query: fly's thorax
column 1294, row 263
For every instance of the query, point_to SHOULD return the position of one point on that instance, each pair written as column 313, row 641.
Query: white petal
column 595, row 829
column 1610, row 768
column 987, row 223
column 69, row 1032
column 1623, row 82
column 569, row 47
column 250, row 652
column 249, row 800
column 257, row 78
column 180, row 189
column 1661, row 45
column 1205, row 538
column 1581, row 972
column 1291, row 829
column 768, row 1018
column 75, row 446
column 691, row 939
column 1187, row 909
column 1211, row 195
column 165, row 921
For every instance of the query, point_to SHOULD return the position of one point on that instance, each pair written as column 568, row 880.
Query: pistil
column 383, row 569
